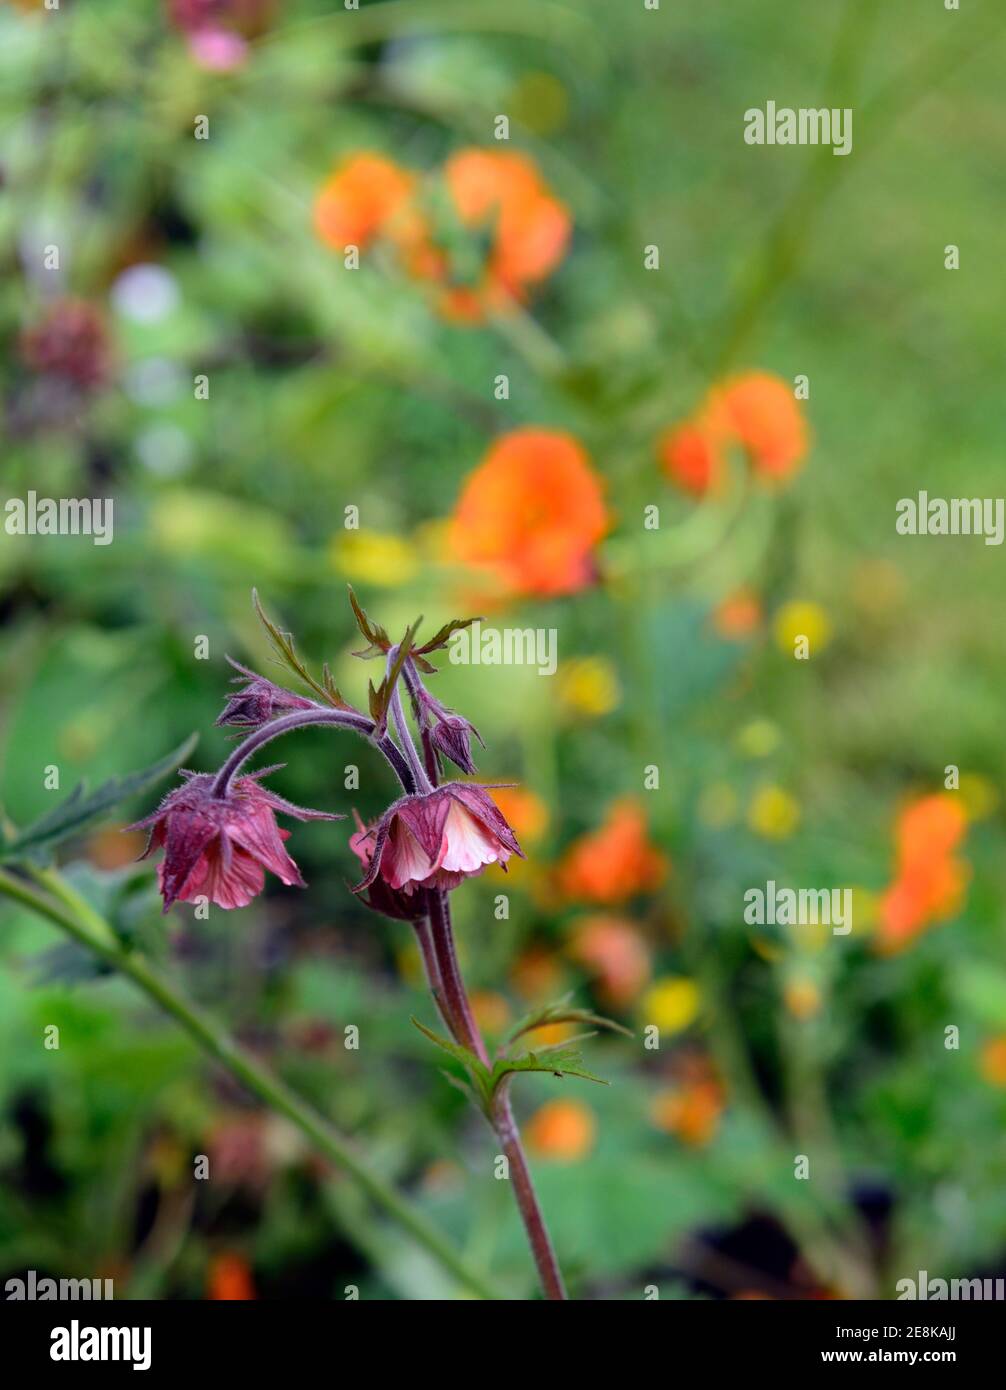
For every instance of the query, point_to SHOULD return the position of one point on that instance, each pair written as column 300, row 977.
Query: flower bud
column 259, row 701
column 451, row 737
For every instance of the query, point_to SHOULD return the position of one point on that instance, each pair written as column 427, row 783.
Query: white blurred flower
column 145, row 293
column 165, row 450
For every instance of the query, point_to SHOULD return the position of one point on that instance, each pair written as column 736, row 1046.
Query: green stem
column 63, row 906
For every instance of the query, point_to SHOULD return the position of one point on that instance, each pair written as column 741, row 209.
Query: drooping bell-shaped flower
column 436, row 839
column 219, row 847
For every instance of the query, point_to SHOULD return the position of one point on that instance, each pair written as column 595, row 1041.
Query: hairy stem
column 416, row 690
column 466, row 1031
column 422, row 781
column 63, row 906
column 344, row 719
column 527, row 1199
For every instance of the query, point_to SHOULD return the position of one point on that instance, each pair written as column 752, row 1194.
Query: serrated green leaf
column 562, row 1012
column 379, row 640
column 79, row 810
column 474, row 1066
column 560, row 1061
column 443, row 636
column 283, row 645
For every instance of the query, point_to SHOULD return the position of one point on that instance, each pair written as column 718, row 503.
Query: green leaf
column 563, row 1012
column 443, row 636
column 473, row 1065
column 560, row 1061
column 283, row 645
column 79, row 810
column 379, row 640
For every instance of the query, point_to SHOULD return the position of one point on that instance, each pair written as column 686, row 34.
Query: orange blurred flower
column 498, row 198
column 692, row 1108
column 503, row 192
column 523, row 810
column 367, row 194
column 615, row 952
column 929, row 880
column 565, row 1130
column 738, row 615
column 614, row 862
column 531, row 513
column 536, row 974
column 761, row 412
column 993, row 1060
column 229, row 1278
column 755, row 411
column 692, row 457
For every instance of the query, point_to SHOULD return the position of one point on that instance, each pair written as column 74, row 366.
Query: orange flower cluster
column 494, row 194
column 367, row 195
column 929, row 880
column 755, row 411
column 691, row 1110
column 614, row 862
column 531, row 513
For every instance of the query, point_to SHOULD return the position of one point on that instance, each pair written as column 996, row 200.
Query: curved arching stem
column 344, row 719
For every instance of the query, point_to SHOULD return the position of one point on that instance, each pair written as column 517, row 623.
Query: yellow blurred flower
column 375, row 557
column 865, row 905
column 773, row 813
column 978, row 794
column 565, row 1130
column 802, row 997
column 588, row 685
column 800, row 618
column 672, row 1003
column 758, row 739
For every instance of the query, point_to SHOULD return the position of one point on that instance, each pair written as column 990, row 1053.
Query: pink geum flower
column 219, row 847
column 435, row 840
column 380, row 898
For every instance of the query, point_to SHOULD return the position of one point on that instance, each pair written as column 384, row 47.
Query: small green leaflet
column 79, row 810
column 286, row 655
column 560, row 1060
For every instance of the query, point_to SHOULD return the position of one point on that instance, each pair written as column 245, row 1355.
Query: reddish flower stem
column 466, row 1032
column 527, row 1199
column 465, row 1029
column 346, row 719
